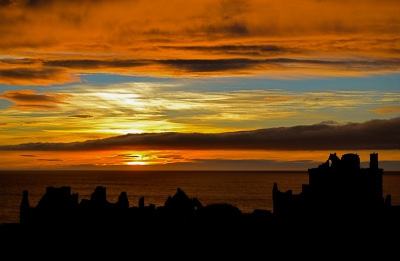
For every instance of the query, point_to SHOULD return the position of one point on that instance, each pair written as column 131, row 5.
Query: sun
column 136, row 163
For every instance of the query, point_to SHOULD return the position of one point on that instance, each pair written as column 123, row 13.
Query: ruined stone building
column 336, row 187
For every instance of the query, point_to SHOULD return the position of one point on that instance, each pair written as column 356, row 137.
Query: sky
column 198, row 85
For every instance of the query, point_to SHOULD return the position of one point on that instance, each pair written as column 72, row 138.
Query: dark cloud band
column 370, row 135
column 47, row 72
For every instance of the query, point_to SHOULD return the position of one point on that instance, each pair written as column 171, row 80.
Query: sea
column 247, row 190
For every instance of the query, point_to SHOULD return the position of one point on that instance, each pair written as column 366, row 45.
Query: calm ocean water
column 247, row 190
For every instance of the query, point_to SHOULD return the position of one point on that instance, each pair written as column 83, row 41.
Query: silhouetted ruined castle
column 337, row 187
column 340, row 208
column 59, row 207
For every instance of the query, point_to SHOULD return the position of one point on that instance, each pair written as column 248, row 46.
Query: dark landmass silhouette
column 342, row 204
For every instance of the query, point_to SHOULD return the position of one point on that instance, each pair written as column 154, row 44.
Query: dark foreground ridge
column 342, row 204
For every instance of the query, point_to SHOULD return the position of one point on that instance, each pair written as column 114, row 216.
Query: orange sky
column 72, row 71
column 59, row 40
column 183, row 160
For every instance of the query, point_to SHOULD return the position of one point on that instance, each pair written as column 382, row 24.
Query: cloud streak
column 82, row 116
column 370, row 135
column 30, row 100
column 27, row 71
column 388, row 110
column 49, row 72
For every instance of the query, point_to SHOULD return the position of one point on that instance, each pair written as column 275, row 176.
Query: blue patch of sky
column 5, row 87
column 389, row 82
column 106, row 79
column 4, row 104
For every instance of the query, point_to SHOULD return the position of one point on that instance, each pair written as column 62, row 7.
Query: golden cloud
column 4, row 124
column 277, row 98
column 387, row 109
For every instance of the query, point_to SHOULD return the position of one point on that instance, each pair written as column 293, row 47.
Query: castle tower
column 123, row 200
column 141, row 202
column 24, row 208
column 373, row 161
column 99, row 195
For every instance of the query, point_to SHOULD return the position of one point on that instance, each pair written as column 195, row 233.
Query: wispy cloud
column 277, row 98
column 82, row 116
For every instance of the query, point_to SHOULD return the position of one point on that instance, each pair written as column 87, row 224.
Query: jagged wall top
column 347, row 161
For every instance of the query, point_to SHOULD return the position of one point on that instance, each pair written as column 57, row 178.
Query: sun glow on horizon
column 141, row 163
column 180, row 159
